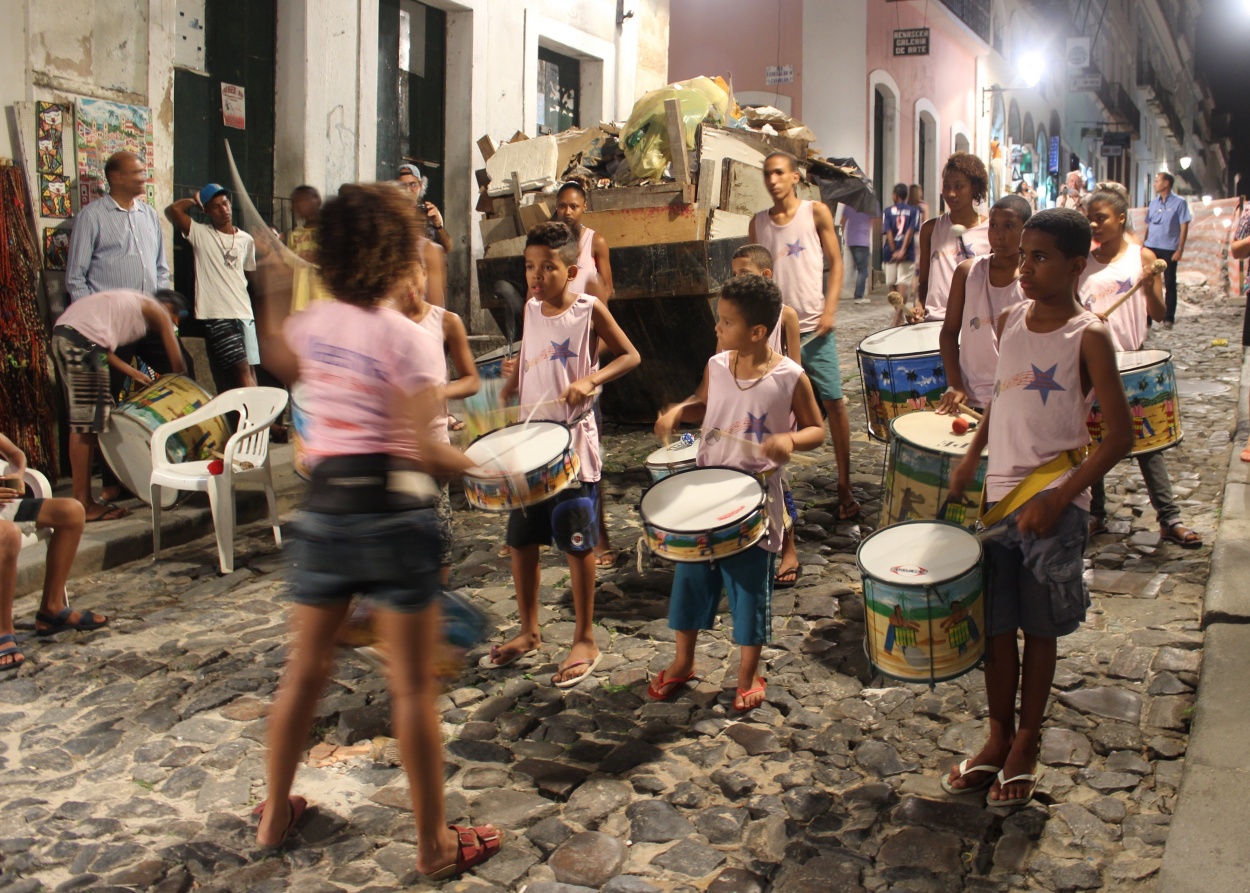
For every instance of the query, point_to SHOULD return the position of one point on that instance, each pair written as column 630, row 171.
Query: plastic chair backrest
column 258, row 408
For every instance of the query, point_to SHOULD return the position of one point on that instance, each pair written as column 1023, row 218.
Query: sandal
column 1032, row 779
column 454, row 424
column 1245, row 454
column 298, row 805
column 1097, row 525
column 13, row 653
column 656, row 690
column 606, row 558
column 1177, row 532
column 966, row 770
column 492, row 660
column 571, row 681
column 848, row 511
column 760, row 688
column 111, row 513
column 87, row 621
column 476, row 845
column 788, row 578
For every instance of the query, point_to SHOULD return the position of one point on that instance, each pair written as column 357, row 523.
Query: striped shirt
column 111, row 248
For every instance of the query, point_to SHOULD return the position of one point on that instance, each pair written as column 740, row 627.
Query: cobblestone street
column 132, row 756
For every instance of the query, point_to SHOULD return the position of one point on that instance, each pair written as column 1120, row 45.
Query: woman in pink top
column 943, row 247
column 372, row 384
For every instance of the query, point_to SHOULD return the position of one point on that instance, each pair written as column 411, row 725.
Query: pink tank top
column 1038, row 408
column 587, row 269
column 431, row 325
column 751, row 414
column 555, row 352
column 984, row 303
column 1102, row 285
column 946, row 252
column 798, row 262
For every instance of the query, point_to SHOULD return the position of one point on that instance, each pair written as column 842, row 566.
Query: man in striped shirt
column 116, row 242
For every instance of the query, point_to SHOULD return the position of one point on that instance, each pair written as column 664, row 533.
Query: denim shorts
column 746, row 578
column 391, row 559
column 1037, row 584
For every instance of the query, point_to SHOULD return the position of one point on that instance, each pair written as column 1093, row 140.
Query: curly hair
column 554, row 235
column 757, row 298
column 971, row 167
column 369, row 241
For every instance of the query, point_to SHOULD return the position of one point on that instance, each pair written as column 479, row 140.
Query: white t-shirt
column 220, row 260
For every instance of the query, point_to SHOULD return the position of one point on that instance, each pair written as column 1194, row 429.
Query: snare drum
column 680, row 455
column 541, row 452
column 1150, row 385
column 490, row 365
column 923, row 453
column 704, row 513
column 924, row 607
column 127, row 444
column 901, row 372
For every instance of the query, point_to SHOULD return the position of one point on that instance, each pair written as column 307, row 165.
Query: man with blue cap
column 224, row 254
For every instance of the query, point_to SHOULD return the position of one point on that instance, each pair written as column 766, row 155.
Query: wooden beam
column 516, row 197
column 486, row 146
column 623, row 198
column 677, row 143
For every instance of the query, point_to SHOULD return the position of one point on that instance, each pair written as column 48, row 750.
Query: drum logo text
column 732, row 513
column 908, row 570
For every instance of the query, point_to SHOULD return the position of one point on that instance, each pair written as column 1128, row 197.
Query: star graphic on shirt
column 1044, row 382
column 756, row 427
column 793, row 249
column 1123, row 286
column 562, row 353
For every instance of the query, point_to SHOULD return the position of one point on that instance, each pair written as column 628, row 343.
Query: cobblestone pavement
column 132, row 756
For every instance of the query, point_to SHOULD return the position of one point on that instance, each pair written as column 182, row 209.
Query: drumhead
column 1128, row 360
column 919, row 553
column 932, row 432
column 903, row 340
column 520, row 447
column 674, row 453
column 701, row 499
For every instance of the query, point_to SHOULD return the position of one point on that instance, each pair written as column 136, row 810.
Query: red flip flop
column 298, row 805
column 760, row 688
column 476, row 845
column 656, row 690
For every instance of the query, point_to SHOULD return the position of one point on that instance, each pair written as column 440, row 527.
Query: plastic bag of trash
column 645, row 136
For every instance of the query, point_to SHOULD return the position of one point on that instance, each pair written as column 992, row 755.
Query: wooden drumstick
column 969, row 411
column 794, row 456
column 1156, row 268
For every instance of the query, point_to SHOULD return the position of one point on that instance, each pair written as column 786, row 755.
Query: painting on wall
column 103, row 128
column 53, row 196
column 55, row 247
column 50, row 138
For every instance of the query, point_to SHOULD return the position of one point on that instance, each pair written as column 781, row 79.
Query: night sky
column 1223, row 60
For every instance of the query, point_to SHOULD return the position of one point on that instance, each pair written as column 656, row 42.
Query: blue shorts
column 569, row 521
column 1038, row 585
column 746, row 578
column 391, row 559
column 820, row 362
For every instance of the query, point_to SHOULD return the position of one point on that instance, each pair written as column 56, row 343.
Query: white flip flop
column 486, row 662
column 965, row 770
column 1017, row 801
column 576, row 680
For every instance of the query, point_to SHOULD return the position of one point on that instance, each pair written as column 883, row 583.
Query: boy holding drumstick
column 743, row 387
column 556, row 376
column 1054, row 358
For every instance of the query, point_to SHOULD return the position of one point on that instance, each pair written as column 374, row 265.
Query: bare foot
column 510, row 650
column 579, row 652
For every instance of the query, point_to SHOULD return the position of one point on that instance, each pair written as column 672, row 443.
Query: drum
column 1150, row 385
column 490, row 365
column 679, row 455
column 923, row 453
column 924, row 608
column 299, row 430
column 540, row 453
column 127, row 445
column 901, row 372
column 703, row 514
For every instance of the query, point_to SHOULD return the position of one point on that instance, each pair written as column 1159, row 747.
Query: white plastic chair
column 245, row 460
column 40, row 488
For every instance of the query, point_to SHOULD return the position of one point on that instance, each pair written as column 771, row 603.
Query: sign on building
column 1053, row 166
column 1084, row 83
column 778, row 74
column 1115, row 143
column 1078, row 51
column 911, row 42
column 233, row 106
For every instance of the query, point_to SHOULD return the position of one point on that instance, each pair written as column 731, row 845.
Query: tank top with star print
column 798, row 262
column 984, row 303
column 749, row 410
column 555, row 352
column 1038, row 409
column 946, row 252
column 1102, row 285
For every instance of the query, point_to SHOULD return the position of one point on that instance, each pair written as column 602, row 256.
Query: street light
column 1031, row 67
column 1186, row 161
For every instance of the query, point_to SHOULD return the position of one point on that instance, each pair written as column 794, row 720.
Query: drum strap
column 1037, row 480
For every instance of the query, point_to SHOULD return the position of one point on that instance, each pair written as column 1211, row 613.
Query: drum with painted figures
column 924, row 604
column 924, row 451
column 901, row 372
column 1150, row 386
column 534, row 461
column 704, row 513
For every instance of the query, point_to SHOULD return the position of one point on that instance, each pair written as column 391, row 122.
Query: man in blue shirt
column 1167, row 228
column 900, row 227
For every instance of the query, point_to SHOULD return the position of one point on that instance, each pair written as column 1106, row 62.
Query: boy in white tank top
column 982, row 289
column 1054, row 358
column 557, row 377
column 748, row 393
column 784, row 338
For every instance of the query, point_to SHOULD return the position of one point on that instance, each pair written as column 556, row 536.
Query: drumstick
column 794, row 457
column 969, row 411
column 1157, row 267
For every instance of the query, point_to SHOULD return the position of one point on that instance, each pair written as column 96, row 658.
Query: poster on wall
column 53, row 196
column 55, row 247
column 49, row 138
column 233, row 106
column 102, row 128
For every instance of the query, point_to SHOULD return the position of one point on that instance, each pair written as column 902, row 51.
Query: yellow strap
column 1037, row 480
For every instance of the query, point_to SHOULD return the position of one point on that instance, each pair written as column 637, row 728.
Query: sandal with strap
column 298, row 805
column 476, row 845
column 87, row 621
column 1177, row 532
column 964, row 771
column 760, row 688
column 663, row 689
column 1031, row 778
column 13, row 653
